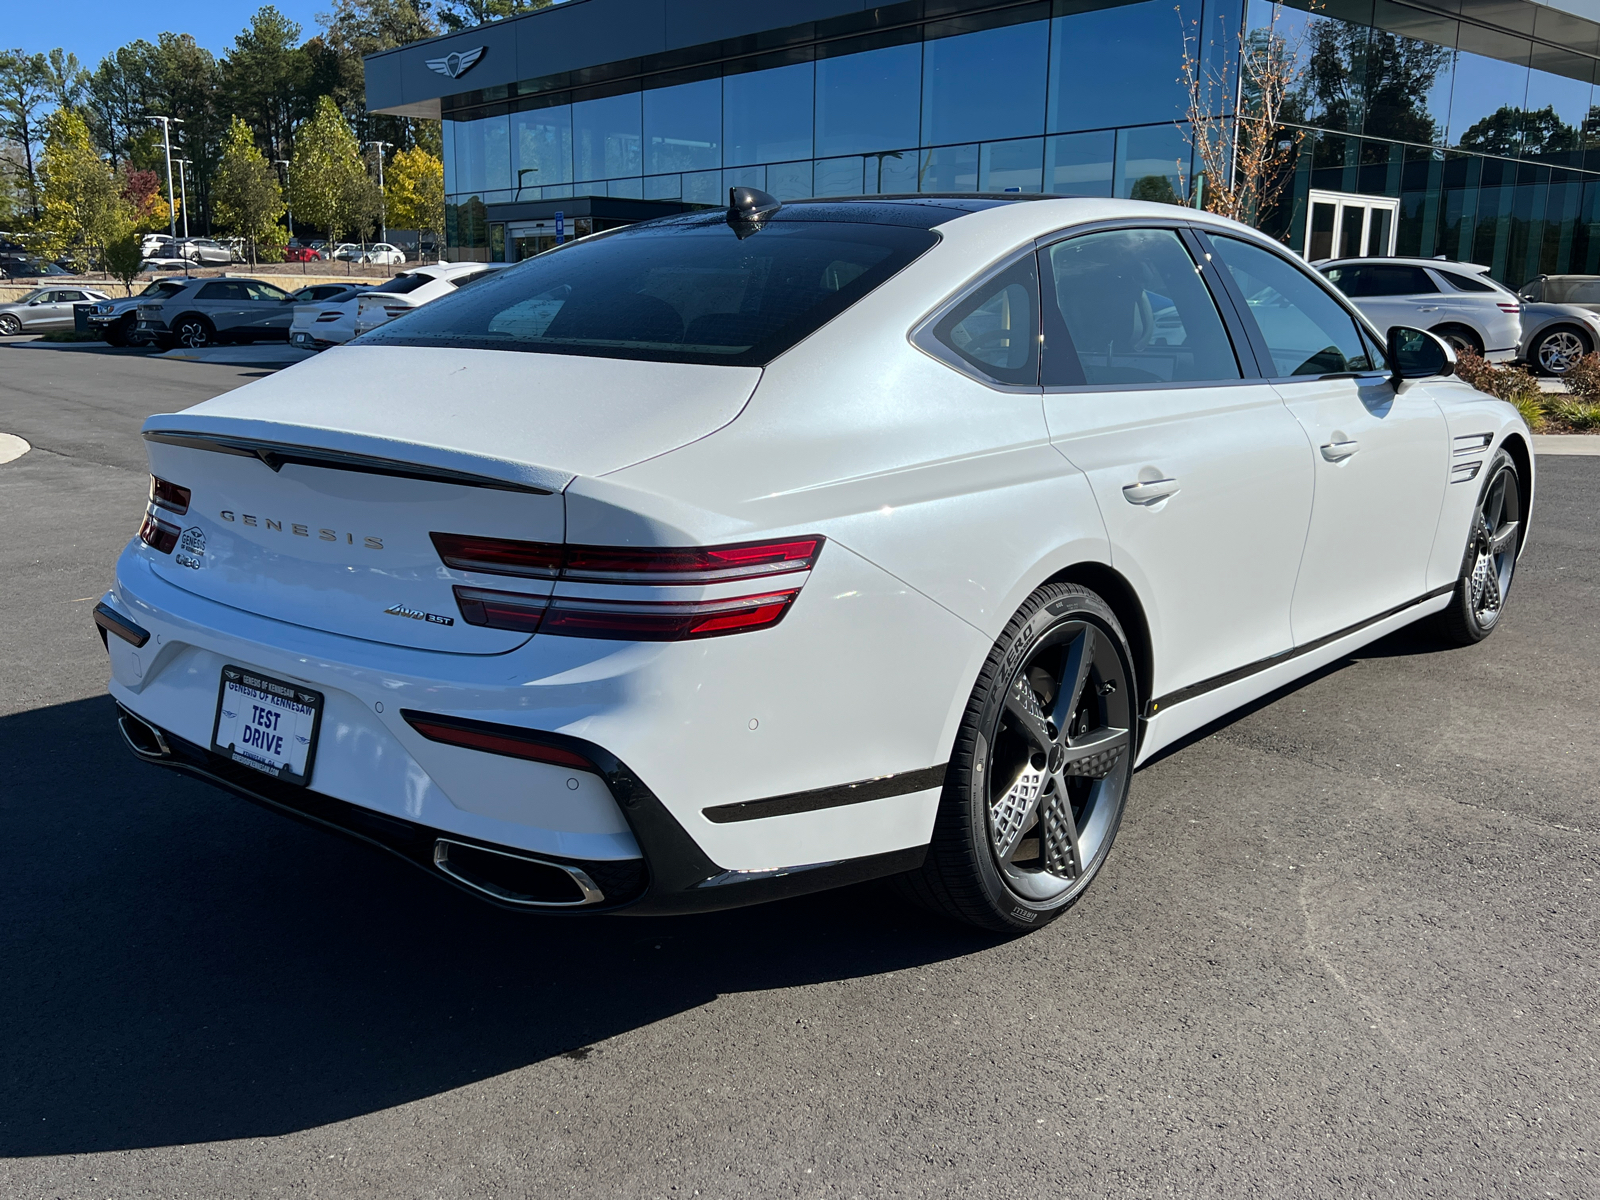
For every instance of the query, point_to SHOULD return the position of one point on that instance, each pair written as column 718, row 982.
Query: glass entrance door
column 1344, row 225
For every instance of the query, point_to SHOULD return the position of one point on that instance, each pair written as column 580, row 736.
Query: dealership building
column 1463, row 128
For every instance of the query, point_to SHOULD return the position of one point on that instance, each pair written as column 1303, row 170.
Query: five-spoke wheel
column 1036, row 787
column 1491, row 556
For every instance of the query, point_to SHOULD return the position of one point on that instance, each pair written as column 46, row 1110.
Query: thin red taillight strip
column 624, row 620
column 627, row 564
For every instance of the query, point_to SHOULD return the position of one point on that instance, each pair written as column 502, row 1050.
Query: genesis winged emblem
column 457, row 63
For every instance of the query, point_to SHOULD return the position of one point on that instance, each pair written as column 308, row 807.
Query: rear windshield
column 677, row 291
column 402, row 284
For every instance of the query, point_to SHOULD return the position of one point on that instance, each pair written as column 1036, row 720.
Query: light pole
column 166, row 140
column 383, row 210
column 183, row 190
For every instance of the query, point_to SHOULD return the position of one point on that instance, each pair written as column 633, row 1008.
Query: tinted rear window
column 401, row 284
column 684, row 291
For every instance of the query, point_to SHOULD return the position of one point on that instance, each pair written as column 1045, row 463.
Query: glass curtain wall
column 1489, row 139
column 1074, row 97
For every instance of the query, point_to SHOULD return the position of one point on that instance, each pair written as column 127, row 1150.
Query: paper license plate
column 268, row 724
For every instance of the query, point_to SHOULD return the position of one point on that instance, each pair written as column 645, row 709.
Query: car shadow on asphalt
column 183, row 967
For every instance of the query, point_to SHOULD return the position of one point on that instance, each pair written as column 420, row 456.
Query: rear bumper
column 672, row 877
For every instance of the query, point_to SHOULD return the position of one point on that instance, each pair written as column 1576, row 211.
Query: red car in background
column 293, row 253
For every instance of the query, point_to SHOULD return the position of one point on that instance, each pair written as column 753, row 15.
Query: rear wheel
column 1490, row 558
column 1559, row 349
column 194, row 333
column 1460, row 339
column 1039, row 774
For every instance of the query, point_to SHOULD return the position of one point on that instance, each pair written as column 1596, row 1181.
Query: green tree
column 249, row 199
column 328, row 181
column 416, row 192
column 119, row 97
column 356, row 28
column 83, row 209
column 184, row 84
column 264, row 78
column 24, row 90
column 124, row 257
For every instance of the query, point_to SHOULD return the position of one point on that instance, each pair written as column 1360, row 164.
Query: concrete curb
column 12, row 447
column 1566, row 443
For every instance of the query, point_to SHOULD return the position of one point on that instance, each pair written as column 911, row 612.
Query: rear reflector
column 495, row 739
column 158, row 534
column 622, row 620
column 627, row 564
column 169, row 496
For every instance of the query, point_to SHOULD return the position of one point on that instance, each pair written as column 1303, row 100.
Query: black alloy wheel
column 9, row 325
column 194, row 333
column 1559, row 349
column 1490, row 559
column 1039, row 774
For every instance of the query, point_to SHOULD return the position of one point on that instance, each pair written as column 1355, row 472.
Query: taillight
column 498, row 556
column 627, row 564
column 158, row 534
column 1510, row 308
column 622, row 620
column 496, row 739
column 169, row 496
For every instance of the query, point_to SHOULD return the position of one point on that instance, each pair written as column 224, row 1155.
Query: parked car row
column 332, row 321
column 1549, row 325
column 379, row 253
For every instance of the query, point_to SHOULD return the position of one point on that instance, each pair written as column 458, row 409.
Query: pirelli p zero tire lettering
column 1040, row 769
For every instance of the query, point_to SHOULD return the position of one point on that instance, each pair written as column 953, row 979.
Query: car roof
column 1408, row 260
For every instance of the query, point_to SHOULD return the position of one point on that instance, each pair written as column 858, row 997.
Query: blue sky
column 91, row 29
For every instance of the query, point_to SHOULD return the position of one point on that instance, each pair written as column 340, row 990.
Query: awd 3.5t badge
column 416, row 614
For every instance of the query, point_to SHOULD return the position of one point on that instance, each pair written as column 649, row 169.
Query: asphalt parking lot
column 1346, row 946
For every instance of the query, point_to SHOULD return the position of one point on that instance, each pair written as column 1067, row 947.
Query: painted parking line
column 12, row 447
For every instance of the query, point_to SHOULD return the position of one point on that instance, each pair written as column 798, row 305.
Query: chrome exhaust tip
column 143, row 739
column 513, row 878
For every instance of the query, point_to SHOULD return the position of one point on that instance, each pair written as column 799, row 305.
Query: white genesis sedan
column 746, row 553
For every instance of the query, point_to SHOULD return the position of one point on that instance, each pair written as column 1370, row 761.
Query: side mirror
column 1418, row 354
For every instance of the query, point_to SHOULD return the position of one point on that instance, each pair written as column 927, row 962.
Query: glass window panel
column 605, row 137
column 663, row 187
column 447, row 135
column 766, row 115
column 838, row 177
column 541, row 147
column 1381, row 279
column 1148, row 164
column 1558, row 101
column 1410, row 65
column 1306, row 331
column 560, row 192
column 755, row 177
column 950, row 169
column 1128, row 306
column 1012, row 166
column 996, row 328
column 628, row 189
column 891, row 172
column 869, row 101
column 683, row 127
column 483, row 154
column 1116, row 65
column 704, row 187
column 1486, row 102
column 988, row 84
column 1079, row 164
column 790, row 181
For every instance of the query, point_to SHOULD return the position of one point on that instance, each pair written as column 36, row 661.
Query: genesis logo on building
column 456, row 65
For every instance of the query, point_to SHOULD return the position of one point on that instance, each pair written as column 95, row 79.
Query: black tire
column 119, row 332
column 9, row 325
column 1558, row 349
column 194, row 332
column 1460, row 338
column 1490, row 559
column 1063, row 631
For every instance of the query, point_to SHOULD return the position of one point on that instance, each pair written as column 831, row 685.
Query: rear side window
column 1381, row 279
column 265, row 291
column 996, row 328
column 1466, row 283
column 685, row 291
column 221, row 291
column 1129, row 307
column 1306, row 331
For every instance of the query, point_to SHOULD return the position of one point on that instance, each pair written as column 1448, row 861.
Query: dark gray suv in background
column 204, row 312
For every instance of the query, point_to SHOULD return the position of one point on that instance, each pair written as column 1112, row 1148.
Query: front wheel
column 1490, row 558
column 9, row 325
column 1040, row 770
column 1560, row 349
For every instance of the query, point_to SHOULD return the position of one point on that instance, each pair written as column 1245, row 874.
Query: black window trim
column 1243, row 350
column 923, row 337
column 1253, row 332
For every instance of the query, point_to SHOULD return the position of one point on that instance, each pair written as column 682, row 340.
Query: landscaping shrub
column 1513, row 384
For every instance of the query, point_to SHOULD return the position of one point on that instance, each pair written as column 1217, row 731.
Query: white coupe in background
column 412, row 289
column 742, row 554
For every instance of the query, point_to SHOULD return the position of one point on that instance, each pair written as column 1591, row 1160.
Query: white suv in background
column 414, row 288
column 1453, row 300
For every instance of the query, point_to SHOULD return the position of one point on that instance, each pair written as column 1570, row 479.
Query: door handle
column 1150, row 492
column 1339, row 451
column 1427, row 308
